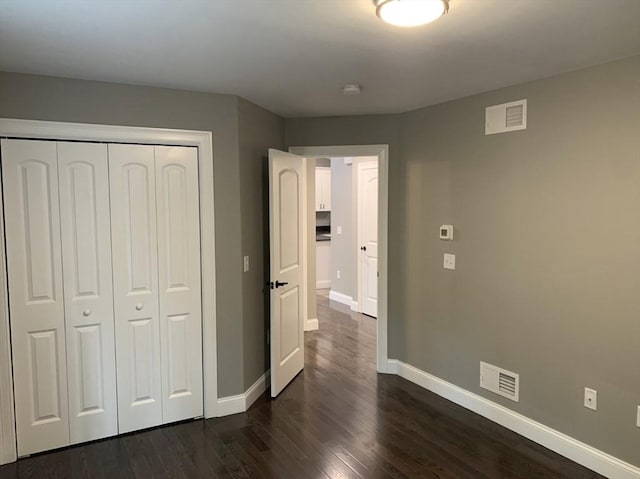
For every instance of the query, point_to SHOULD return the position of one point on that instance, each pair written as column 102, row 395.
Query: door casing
column 50, row 130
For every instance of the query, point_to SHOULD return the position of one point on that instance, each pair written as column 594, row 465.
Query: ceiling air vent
column 500, row 381
column 506, row 117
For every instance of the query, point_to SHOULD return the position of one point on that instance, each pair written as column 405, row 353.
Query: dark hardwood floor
column 338, row 419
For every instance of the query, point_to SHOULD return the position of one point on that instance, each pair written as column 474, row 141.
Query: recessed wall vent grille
column 500, row 381
column 514, row 116
column 506, row 117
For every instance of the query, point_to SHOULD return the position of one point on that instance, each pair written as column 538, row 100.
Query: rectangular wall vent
column 506, row 117
column 500, row 381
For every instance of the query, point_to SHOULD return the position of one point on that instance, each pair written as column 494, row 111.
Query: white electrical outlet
column 638, row 417
column 246, row 264
column 591, row 399
column 338, row 274
column 449, row 261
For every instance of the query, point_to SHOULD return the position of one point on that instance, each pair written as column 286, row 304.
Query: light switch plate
column 638, row 417
column 339, row 230
column 338, row 275
column 449, row 261
column 591, row 399
column 245, row 266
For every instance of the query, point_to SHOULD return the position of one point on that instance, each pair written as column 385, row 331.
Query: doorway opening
column 346, row 231
column 292, row 245
column 347, row 235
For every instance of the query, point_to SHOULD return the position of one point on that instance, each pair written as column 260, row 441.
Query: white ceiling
column 293, row 56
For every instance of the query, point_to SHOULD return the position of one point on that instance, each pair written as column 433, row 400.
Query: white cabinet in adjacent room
column 323, row 188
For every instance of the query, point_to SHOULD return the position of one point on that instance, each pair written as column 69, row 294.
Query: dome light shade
column 411, row 13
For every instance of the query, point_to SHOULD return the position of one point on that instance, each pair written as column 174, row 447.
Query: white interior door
column 88, row 297
column 287, row 203
column 179, row 282
column 368, row 237
column 30, row 177
column 135, row 285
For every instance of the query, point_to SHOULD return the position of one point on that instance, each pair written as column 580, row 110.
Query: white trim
column 323, row 284
column 344, row 299
column 382, row 152
column 340, row 298
column 556, row 441
column 306, row 287
column 124, row 134
column 7, row 417
column 311, row 324
column 241, row 402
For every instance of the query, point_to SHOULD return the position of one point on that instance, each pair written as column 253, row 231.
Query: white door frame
column 8, row 451
column 51, row 130
column 358, row 223
column 382, row 152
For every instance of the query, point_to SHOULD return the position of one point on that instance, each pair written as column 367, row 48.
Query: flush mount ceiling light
column 410, row 13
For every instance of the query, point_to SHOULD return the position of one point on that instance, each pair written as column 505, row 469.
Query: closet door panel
column 135, row 285
column 30, row 178
column 88, row 297
column 179, row 282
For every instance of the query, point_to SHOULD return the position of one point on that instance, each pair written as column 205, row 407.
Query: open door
column 287, row 203
column 368, row 237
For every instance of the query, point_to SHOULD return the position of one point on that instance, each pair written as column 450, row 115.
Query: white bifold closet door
column 61, row 304
column 103, row 258
column 179, row 282
column 132, row 181
column 34, row 264
column 156, row 258
column 88, row 298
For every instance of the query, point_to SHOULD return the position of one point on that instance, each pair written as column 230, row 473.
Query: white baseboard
column 311, row 324
column 343, row 299
column 241, row 402
column 340, row 298
column 564, row 445
column 325, row 284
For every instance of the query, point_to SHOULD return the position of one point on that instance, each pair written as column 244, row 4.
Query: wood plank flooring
column 338, row 419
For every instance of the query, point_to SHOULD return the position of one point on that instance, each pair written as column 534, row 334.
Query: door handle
column 278, row 284
column 363, row 248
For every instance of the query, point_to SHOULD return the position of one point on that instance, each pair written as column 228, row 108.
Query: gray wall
column 56, row 99
column 547, row 244
column 259, row 130
column 343, row 256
